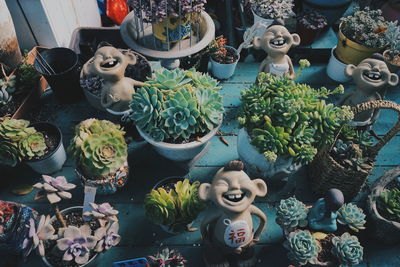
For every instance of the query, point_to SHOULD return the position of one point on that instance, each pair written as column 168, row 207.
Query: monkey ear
column 296, row 39
column 261, row 187
column 204, row 191
column 349, row 70
column 257, row 42
column 132, row 59
column 393, row 79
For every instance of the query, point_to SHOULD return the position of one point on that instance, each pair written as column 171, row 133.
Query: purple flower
column 108, row 237
column 55, row 188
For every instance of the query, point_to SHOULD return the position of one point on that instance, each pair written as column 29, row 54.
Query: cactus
column 347, row 249
column 291, row 213
column 303, row 247
column 33, row 146
column 352, row 216
column 389, row 204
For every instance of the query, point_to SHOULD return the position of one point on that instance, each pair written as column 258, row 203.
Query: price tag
column 90, row 195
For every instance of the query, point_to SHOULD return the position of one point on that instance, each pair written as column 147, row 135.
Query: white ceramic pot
column 335, row 68
column 55, row 160
column 223, row 71
column 53, row 219
column 179, row 152
column 256, row 164
column 266, row 22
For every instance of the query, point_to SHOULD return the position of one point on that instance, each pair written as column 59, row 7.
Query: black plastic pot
column 60, row 67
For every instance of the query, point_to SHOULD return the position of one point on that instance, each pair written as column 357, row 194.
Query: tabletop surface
column 140, row 237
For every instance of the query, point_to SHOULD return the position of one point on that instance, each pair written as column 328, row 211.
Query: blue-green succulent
column 291, row 213
column 352, row 216
column 169, row 79
column 347, row 249
column 210, row 107
column 303, row 247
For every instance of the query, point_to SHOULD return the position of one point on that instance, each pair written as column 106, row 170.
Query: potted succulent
column 284, row 123
column 391, row 10
column 266, row 11
column 173, row 205
column 361, row 35
column 384, row 207
column 68, row 238
column 178, row 112
column 309, row 24
column 101, row 153
column 332, row 10
column 172, row 19
column 392, row 54
column 311, row 247
column 165, row 258
column 38, row 145
column 223, row 58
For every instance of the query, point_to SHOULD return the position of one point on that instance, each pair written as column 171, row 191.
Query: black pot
column 168, row 180
column 60, row 68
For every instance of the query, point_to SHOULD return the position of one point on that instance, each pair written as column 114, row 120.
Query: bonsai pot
column 257, row 166
column 393, row 67
column 53, row 160
column 179, row 152
column 336, row 67
column 332, row 10
column 108, row 184
column 307, row 35
column 384, row 230
column 224, row 71
column 54, row 220
column 265, row 21
column 351, row 52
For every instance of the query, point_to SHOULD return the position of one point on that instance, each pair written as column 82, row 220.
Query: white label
column 90, row 195
column 237, row 234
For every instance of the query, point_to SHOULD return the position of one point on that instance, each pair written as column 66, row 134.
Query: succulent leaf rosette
column 389, row 204
column 9, row 154
column 347, row 249
column 55, row 188
column 108, row 237
column 34, row 145
column 291, row 213
column 272, row 9
column 303, row 247
column 15, row 130
column 103, row 212
column 167, row 258
column 39, row 233
column 177, row 104
column 352, row 216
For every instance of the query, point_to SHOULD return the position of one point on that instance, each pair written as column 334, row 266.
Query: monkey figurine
column 229, row 232
column 371, row 77
column 323, row 214
column 110, row 64
column 277, row 41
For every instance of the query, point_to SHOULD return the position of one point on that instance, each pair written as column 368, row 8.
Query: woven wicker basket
column 325, row 172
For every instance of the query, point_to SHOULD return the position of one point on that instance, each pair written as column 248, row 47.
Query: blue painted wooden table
column 140, row 237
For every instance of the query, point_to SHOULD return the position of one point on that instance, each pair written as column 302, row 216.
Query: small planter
column 332, row 10
column 335, row 68
column 351, row 52
column 53, row 220
column 385, row 230
column 393, row 67
column 55, row 159
column 258, row 19
column 105, row 185
column 173, row 29
column 258, row 166
column 224, row 71
column 179, row 152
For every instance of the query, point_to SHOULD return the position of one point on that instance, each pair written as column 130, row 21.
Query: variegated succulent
column 108, row 237
column 34, row 145
column 347, row 249
column 291, row 213
column 352, row 216
column 39, row 233
column 55, row 188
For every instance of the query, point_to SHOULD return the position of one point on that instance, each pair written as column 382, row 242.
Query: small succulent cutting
column 389, row 204
column 291, row 213
column 38, row 234
column 175, row 208
column 167, row 258
column 303, row 247
column 177, row 105
column 103, row 212
column 352, row 216
column 347, row 249
column 7, row 87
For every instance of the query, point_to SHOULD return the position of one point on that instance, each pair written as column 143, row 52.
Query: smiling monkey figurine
column 229, row 231
column 371, row 77
column 277, row 41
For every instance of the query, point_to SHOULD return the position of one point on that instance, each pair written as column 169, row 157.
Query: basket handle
column 378, row 104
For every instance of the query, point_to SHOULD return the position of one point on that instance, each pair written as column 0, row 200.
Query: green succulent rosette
column 9, row 154
column 352, row 216
column 291, row 213
column 347, row 249
column 303, row 247
column 15, row 130
column 32, row 146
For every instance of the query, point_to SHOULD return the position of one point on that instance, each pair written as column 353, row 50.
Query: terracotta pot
column 395, row 68
column 351, row 52
column 307, row 35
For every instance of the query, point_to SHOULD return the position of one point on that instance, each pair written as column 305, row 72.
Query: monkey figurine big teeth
column 110, row 64
column 229, row 231
column 276, row 42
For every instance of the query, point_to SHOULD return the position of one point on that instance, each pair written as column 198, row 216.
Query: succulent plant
column 347, row 249
column 389, row 204
column 210, row 107
column 350, row 155
column 76, row 243
column 284, row 118
column 55, row 188
column 92, row 84
column 108, row 237
column 291, row 213
column 34, row 145
column 169, row 79
column 202, row 80
column 167, row 258
column 103, row 153
column 303, row 247
column 39, row 233
column 272, row 9
column 174, row 208
column 352, row 216
column 7, row 88
column 15, row 130
column 27, row 77
column 87, row 128
column 104, row 212
column 312, row 20
column 9, row 154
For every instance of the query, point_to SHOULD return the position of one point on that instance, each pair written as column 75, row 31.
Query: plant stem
column 59, row 216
